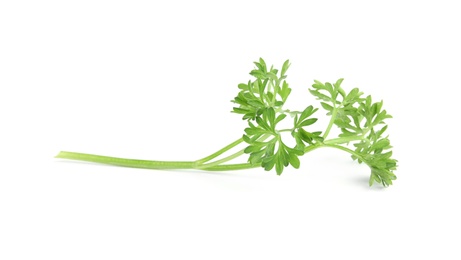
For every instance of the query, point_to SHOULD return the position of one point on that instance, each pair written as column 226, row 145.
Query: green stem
column 228, row 158
column 223, row 160
column 270, row 89
column 213, row 166
column 274, row 98
column 359, row 156
column 342, row 140
column 311, row 148
column 332, row 120
column 232, row 167
column 306, row 150
column 218, row 153
column 241, row 166
column 285, row 130
column 147, row 164
column 126, row 162
column 289, row 111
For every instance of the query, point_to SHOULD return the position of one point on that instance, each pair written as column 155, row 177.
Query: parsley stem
column 221, row 151
column 285, row 130
column 332, row 120
column 342, row 140
column 134, row 163
column 241, row 166
column 311, row 148
column 232, row 167
column 146, row 164
column 223, row 160
column 228, row 158
column 214, row 166
column 359, row 156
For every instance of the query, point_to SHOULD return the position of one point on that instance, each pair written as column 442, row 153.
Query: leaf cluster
column 375, row 147
column 302, row 137
column 269, row 89
column 273, row 152
column 361, row 118
column 261, row 102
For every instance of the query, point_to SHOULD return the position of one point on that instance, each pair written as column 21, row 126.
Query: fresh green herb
column 260, row 102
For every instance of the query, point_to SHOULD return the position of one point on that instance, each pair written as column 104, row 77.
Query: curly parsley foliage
column 267, row 90
column 362, row 123
column 302, row 137
column 260, row 101
column 273, row 152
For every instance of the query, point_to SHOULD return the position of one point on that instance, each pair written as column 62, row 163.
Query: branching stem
column 198, row 164
column 332, row 121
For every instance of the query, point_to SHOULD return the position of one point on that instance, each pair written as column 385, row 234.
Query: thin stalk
column 148, row 164
column 241, row 166
column 308, row 149
column 332, row 120
column 275, row 93
column 221, row 151
column 228, row 158
column 311, row 148
column 285, row 130
column 232, row 167
column 145, row 164
column 213, row 166
column 223, row 160
column 342, row 140
column 347, row 150
column 135, row 163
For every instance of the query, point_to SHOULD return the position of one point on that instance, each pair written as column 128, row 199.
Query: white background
column 153, row 80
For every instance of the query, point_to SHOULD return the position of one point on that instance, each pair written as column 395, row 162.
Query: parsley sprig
column 260, row 101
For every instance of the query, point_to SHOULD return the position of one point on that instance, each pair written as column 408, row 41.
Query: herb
column 260, row 102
